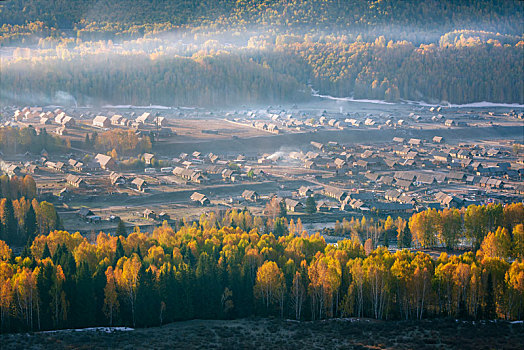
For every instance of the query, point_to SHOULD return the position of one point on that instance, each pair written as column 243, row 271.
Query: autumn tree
column 58, row 297
column 127, row 280
column 476, row 224
column 298, row 294
column 518, row 239
column 423, row 226
column 269, row 284
column 496, row 244
column 111, row 303
column 450, row 227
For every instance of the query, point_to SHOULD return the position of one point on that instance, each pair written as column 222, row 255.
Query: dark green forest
column 219, row 52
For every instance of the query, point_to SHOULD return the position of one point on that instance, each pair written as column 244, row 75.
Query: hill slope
column 259, row 51
column 448, row 14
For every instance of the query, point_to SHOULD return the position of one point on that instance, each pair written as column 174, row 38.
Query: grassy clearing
column 281, row 334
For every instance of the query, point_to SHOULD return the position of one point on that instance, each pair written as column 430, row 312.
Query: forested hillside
column 228, row 267
column 219, row 52
column 447, row 14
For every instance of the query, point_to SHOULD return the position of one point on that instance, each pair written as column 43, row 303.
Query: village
column 394, row 162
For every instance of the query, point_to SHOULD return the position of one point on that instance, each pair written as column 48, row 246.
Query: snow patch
column 136, row 107
column 351, row 99
column 93, row 329
column 483, row 104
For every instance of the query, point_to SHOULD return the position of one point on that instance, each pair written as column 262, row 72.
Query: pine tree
column 10, row 224
column 489, row 309
column 404, row 238
column 121, row 229
column 30, row 224
column 283, row 210
column 46, row 253
column 386, row 238
column 119, row 252
column 82, row 312
column 279, row 228
column 311, row 205
column 44, row 283
column 407, row 237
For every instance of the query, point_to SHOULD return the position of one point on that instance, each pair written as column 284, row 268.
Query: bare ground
column 282, row 334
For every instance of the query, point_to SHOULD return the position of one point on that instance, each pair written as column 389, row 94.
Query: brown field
column 192, row 129
column 282, row 334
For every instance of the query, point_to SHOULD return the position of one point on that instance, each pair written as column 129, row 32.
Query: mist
column 232, row 56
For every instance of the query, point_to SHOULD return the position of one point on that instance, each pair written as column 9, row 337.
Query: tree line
column 357, row 15
column 400, row 70
column 462, row 67
column 20, row 140
column 22, row 216
column 139, row 79
column 118, row 142
column 450, row 228
column 225, row 266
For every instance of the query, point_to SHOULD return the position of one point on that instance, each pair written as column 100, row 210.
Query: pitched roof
column 103, row 159
column 292, row 203
column 148, row 156
column 74, row 179
column 198, row 197
column 138, row 182
column 85, row 212
column 99, row 119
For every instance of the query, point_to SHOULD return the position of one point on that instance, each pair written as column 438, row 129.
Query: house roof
column 392, row 194
column 456, row 175
column 139, row 182
column 340, row 162
column 103, row 159
column 372, row 176
column 425, row 178
column 85, row 212
column 74, row 179
column 249, row 194
column 148, row 156
column 143, row 118
column 404, row 175
column 116, row 118
column 292, row 203
column 198, row 197
column 403, row 183
column 100, row 119
column 398, row 139
column 114, row 177
column 304, row 189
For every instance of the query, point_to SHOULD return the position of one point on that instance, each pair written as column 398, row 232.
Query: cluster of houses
column 36, row 115
column 412, row 165
column 401, row 176
column 276, row 121
column 143, row 120
column 397, row 177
